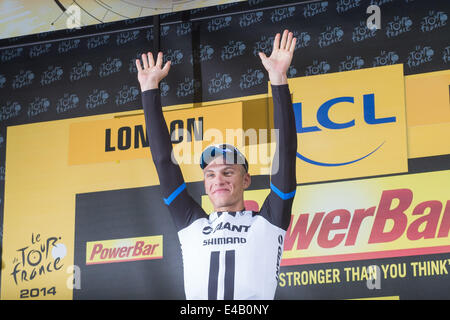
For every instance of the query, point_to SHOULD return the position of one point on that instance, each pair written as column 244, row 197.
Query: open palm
column 279, row 61
column 151, row 73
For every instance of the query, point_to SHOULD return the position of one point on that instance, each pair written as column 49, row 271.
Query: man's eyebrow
column 226, row 166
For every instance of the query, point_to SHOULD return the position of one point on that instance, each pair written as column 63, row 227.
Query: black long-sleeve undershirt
column 183, row 208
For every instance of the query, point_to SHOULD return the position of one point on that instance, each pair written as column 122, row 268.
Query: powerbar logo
column 122, row 250
column 395, row 227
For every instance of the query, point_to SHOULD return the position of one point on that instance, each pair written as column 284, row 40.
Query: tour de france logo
column 38, row 258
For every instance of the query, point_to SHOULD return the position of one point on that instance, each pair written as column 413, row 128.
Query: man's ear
column 247, row 180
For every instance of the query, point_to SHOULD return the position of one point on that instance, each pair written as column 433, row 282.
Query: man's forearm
column 160, row 143
column 283, row 183
column 182, row 207
column 158, row 135
column 286, row 148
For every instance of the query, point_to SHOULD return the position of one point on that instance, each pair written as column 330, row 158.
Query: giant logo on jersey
column 224, row 240
column 350, row 124
column 226, row 225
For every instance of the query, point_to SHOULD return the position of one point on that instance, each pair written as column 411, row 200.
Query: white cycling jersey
column 231, row 255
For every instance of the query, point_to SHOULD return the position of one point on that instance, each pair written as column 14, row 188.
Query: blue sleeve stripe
column 282, row 195
column 175, row 194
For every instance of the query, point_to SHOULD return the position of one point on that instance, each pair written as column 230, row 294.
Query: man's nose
column 219, row 180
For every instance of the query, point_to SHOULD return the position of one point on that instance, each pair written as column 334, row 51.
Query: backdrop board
column 81, row 211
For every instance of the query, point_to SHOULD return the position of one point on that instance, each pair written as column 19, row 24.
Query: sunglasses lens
column 229, row 152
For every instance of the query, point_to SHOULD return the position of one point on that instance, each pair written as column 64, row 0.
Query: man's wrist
column 150, row 86
column 278, row 79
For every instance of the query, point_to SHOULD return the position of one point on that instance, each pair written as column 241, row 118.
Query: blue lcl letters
column 325, row 121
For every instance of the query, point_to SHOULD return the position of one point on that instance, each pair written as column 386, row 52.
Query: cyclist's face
column 225, row 185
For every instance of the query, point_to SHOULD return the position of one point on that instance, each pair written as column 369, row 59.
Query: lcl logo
column 325, row 122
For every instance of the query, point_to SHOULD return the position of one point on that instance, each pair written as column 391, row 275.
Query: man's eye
column 228, row 173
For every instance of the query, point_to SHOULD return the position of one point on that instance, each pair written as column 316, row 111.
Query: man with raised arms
column 231, row 253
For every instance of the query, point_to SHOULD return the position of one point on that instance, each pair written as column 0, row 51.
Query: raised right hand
column 151, row 74
column 279, row 61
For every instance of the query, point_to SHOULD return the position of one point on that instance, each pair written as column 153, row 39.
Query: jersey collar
column 216, row 214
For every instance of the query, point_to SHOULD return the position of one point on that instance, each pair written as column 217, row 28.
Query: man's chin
column 221, row 203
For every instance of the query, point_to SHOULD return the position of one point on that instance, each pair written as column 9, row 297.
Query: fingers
column 151, row 62
column 276, row 42
column 289, row 40
column 144, row 60
column 166, row 67
column 264, row 60
column 284, row 39
column 138, row 65
column 148, row 61
column 159, row 60
column 292, row 45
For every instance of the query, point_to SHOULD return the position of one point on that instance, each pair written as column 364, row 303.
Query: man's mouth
column 221, row 190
